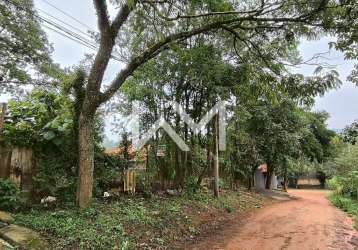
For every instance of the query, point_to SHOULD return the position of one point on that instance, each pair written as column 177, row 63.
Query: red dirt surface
column 309, row 222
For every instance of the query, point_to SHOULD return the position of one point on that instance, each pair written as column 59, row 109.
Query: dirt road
column 309, row 222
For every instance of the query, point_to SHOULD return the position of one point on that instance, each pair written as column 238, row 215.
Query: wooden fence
column 5, row 161
column 129, row 180
column 16, row 163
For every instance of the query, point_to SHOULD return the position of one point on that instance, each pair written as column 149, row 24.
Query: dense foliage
column 45, row 121
column 25, row 51
column 196, row 54
column 9, row 194
column 267, row 120
column 344, row 171
column 348, row 205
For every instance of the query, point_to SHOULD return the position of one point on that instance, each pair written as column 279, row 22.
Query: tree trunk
column 80, row 92
column 209, row 159
column 177, row 155
column 268, row 178
column 186, row 137
column 86, row 161
column 285, row 180
column 216, row 159
column 252, row 178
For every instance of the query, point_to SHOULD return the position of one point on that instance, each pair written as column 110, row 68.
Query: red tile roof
column 263, row 168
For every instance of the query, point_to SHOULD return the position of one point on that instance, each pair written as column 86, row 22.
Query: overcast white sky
column 342, row 104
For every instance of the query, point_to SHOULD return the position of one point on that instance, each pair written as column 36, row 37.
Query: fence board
column 5, row 159
column 15, row 163
column 21, row 167
column 129, row 180
column 5, row 152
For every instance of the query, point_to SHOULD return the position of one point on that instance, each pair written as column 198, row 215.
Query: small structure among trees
column 134, row 161
column 260, row 178
column 308, row 182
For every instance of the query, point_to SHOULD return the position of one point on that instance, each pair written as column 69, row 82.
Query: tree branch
column 161, row 45
column 108, row 34
column 219, row 13
column 154, row 50
column 102, row 15
column 121, row 18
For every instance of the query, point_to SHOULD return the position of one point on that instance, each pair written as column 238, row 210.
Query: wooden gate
column 129, row 180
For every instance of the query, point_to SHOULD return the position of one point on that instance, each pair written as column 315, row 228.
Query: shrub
column 346, row 204
column 191, row 185
column 9, row 194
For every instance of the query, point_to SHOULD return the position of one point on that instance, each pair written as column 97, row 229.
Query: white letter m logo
column 218, row 109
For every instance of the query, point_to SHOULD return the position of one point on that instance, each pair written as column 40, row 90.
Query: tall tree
column 350, row 133
column 143, row 29
column 24, row 47
column 275, row 126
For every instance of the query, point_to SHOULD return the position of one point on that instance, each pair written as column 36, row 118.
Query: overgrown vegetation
column 209, row 57
column 195, row 53
column 347, row 204
column 133, row 222
column 9, row 194
column 343, row 170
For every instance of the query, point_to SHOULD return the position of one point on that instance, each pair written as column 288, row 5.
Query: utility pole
column 216, row 157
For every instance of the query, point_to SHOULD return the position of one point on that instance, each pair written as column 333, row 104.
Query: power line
column 63, row 31
column 73, row 36
column 68, row 31
column 66, row 14
column 69, row 37
column 69, row 25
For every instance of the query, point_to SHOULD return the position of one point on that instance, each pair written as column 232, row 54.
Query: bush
column 346, row 204
column 145, row 183
column 9, row 194
column 191, row 185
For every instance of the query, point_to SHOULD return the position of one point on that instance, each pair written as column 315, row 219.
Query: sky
column 342, row 104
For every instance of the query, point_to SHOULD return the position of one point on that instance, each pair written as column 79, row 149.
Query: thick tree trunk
column 86, row 161
column 216, row 159
column 268, row 178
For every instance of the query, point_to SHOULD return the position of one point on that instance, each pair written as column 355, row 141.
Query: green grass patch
column 346, row 204
column 131, row 222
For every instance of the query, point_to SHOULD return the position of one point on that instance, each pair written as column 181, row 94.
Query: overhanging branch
column 102, row 14
column 163, row 44
column 121, row 18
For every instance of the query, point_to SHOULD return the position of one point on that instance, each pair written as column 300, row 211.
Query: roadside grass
column 134, row 222
column 346, row 204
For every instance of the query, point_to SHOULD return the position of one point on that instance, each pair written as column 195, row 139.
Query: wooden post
column 2, row 119
column 129, row 180
column 147, row 158
column 15, row 167
column 216, row 158
column 5, row 152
